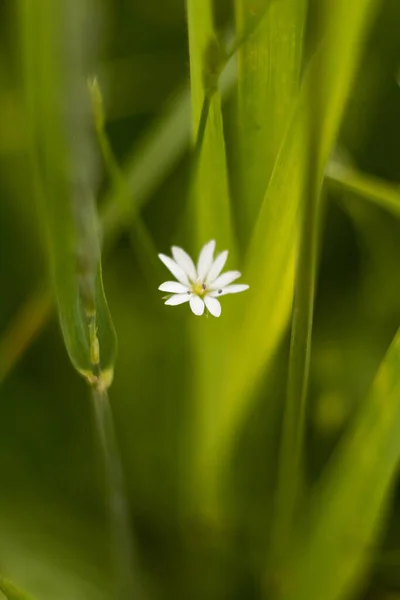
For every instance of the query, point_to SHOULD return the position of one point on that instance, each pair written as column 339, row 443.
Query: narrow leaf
column 380, row 192
column 210, row 185
column 349, row 503
column 66, row 172
column 270, row 263
column 268, row 82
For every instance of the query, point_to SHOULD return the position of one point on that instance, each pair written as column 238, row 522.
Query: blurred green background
column 53, row 513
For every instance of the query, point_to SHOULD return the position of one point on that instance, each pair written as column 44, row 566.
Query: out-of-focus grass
column 195, row 399
column 341, row 527
column 11, row 592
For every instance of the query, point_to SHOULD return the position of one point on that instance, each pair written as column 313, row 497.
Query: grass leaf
column 271, row 255
column 382, row 193
column 210, row 185
column 349, row 503
column 268, row 82
column 66, row 172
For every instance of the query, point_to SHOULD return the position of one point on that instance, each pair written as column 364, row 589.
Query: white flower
column 199, row 285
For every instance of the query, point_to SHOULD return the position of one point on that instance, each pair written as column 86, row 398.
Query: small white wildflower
column 199, row 285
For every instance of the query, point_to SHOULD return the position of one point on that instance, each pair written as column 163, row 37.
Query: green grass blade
column 155, row 155
column 382, row 193
column 270, row 264
column 209, row 209
column 348, row 505
column 291, row 460
column 268, row 83
column 210, row 185
column 11, row 592
column 66, row 176
column 128, row 579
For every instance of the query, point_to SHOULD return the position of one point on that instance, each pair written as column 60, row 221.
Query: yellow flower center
column 199, row 289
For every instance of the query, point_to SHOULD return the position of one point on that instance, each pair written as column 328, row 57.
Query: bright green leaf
column 268, row 82
column 271, row 255
column 210, row 185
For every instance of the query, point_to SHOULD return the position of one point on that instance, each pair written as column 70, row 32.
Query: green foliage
column 64, row 164
column 270, row 62
column 11, row 592
column 210, row 186
column 251, row 470
column 350, row 500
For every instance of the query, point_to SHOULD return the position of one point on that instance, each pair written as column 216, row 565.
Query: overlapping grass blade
column 268, row 82
column 210, row 206
column 152, row 158
column 348, row 506
column 270, row 262
column 210, row 185
column 55, row 51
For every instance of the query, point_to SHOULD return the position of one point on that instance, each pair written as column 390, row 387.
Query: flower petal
column 174, row 287
column 178, row 299
column 217, row 267
column 230, row 289
column 197, row 305
column 205, row 260
column 183, row 259
column 225, row 279
column 213, row 306
column 175, row 269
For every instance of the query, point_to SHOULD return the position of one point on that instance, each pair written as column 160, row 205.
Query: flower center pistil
column 199, row 288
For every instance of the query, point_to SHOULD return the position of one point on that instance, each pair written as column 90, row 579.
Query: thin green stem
column 140, row 236
column 205, row 109
column 128, row 586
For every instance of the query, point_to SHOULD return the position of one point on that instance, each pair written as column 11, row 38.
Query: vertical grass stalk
column 291, row 467
column 292, row 456
column 123, row 551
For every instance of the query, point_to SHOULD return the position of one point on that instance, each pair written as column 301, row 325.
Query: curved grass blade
column 349, row 504
column 11, row 591
column 65, row 169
